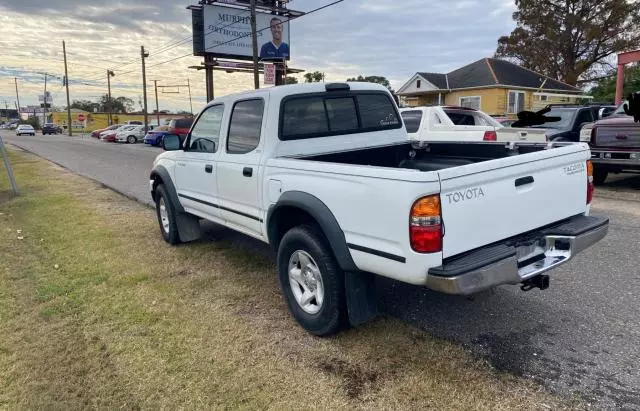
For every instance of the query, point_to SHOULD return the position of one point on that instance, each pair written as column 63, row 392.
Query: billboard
column 223, row 31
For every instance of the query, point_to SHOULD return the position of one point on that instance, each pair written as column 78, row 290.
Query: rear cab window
column 412, row 120
column 336, row 113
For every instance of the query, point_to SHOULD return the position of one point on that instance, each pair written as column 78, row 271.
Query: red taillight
column 590, row 187
column 425, row 225
column 490, row 136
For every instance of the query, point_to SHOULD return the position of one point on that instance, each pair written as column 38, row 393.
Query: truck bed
column 429, row 157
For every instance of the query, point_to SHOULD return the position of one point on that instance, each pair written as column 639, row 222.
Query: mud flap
column 362, row 302
column 188, row 227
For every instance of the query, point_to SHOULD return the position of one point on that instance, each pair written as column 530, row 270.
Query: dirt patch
column 355, row 379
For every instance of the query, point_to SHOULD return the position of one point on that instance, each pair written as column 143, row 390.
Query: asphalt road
column 581, row 337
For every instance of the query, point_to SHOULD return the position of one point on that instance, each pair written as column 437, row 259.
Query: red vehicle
column 109, row 137
column 181, row 127
column 96, row 133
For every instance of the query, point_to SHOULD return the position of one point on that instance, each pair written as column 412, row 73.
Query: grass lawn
column 96, row 311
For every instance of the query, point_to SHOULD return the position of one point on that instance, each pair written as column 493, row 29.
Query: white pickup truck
column 448, row 123
column 325, row 174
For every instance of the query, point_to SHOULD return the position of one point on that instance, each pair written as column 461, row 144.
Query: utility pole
column 254, row 37
column 15, row 79
column 66, row 82
column 110, row 74
column 155, row 85
column 143, row 55
column 190, row 102
column 44, row 117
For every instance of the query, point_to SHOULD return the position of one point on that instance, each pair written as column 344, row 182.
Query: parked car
column 50, row 128
column 110, row 135
column 131, row 134
column 134, row 123
column 96, row 133
column 302, row 168
column 13, row 126
column 448, row 123
column 180, row 126
column 615, row 145
column 154, row 137
column 570, row 121
column 25, row 129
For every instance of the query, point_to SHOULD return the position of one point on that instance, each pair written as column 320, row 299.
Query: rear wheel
column 311, row 281
column 599, row 175
column 131, row 139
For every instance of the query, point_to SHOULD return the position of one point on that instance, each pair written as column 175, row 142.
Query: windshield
column 565, row 114
column 412, row 120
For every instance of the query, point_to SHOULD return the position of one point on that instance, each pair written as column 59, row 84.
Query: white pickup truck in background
column 325, row 174
column 448, row 123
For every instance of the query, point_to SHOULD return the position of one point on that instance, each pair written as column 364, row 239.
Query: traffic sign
column 269, row 74
column 81, row 117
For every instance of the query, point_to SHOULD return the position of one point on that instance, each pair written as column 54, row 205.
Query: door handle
column 524, row 180
column 208, row 168
column 247, row 171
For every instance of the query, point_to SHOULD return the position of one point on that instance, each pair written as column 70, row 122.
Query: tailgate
column 618, row 136
column 486, row 202
column 521, row 134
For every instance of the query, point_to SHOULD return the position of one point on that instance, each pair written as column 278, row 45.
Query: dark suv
column 50, row 128
column 572, row 118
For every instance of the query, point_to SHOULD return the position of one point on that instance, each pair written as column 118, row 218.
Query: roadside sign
column 269, row 74
column 81, row 117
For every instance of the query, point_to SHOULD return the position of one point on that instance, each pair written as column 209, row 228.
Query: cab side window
column 245, row 126
column 205, row 134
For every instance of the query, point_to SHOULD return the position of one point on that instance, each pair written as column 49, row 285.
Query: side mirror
column 171, row 142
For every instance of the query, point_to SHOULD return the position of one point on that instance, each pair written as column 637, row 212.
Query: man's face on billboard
column 276, row 30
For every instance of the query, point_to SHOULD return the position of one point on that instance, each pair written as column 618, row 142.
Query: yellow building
column 497, row 87
column 86, row 121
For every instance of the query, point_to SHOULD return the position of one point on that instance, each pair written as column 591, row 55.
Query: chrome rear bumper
column 519, row 259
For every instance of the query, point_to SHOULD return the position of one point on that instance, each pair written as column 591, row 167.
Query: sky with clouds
column 393, row 39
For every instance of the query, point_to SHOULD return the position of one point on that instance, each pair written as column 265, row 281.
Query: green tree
column 570, row 40
column 314, row 77
column 373, row 79
column 85, row 105
column 605, row 88
column 290, row 80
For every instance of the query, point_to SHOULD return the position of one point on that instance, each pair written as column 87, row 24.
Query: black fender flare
column 325, row 219
column 163, row 174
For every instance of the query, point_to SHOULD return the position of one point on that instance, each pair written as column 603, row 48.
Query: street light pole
column 254, row 37
column 44, row 119
column 143, row 55
column 190, row 102
column 155, row 85
column 110, row 74
column 66, row 82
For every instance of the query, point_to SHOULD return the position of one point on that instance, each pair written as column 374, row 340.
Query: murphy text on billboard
column 226, row 32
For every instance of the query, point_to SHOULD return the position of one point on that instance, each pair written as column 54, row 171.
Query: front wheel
column 131, row 139
column 311, row 281
column 166, row 216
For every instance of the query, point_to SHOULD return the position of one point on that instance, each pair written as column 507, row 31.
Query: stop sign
column 80, row 117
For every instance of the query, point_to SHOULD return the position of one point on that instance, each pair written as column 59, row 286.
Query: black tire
column 599, row 175
column 332, row 316
column 131, row 139
column 172, row 237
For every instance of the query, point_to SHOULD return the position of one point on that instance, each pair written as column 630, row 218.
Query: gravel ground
column 580, row 338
